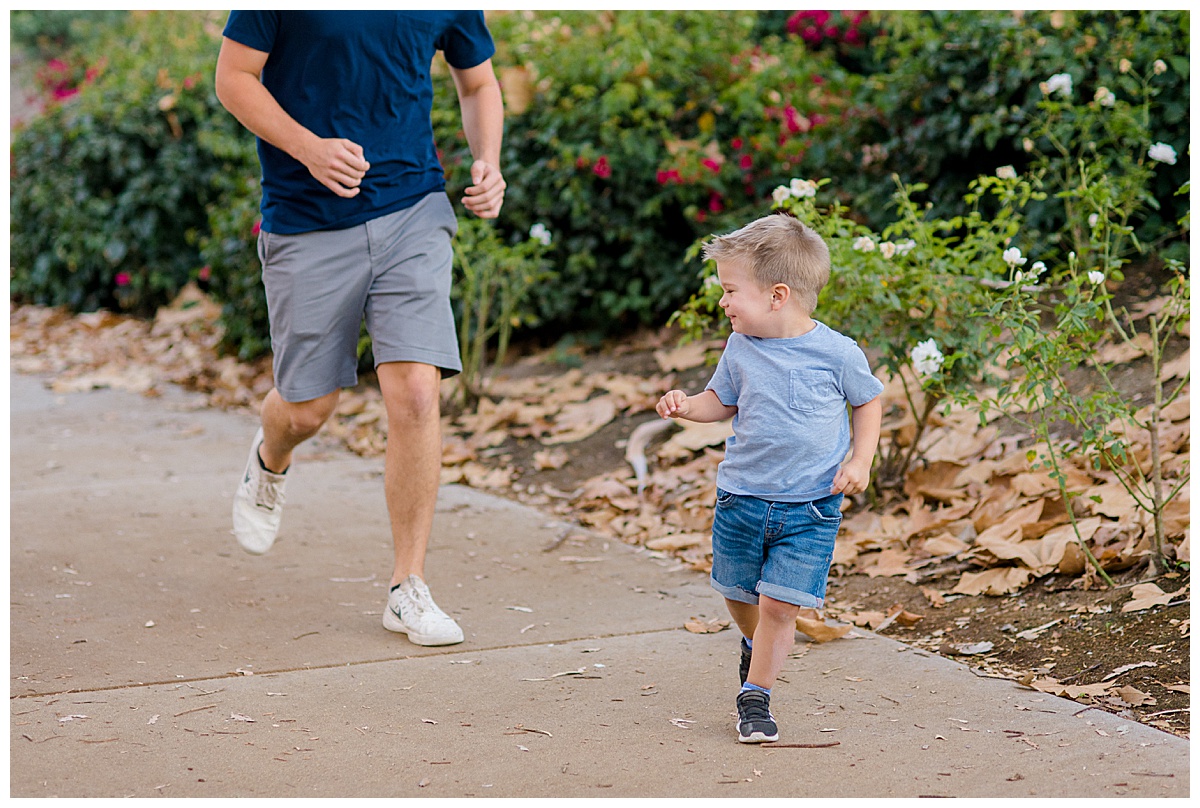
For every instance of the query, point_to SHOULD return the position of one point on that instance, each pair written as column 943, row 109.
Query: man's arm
column 336, row 163
column 483, row 122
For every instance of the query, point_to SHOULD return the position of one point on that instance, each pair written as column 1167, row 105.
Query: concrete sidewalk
column 150, row 656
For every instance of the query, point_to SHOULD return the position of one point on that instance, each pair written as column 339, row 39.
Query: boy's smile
column 746, row 304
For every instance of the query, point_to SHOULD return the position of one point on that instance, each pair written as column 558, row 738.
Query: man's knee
column 305, row 418
column 411, row 392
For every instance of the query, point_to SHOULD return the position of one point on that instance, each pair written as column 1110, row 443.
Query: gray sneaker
column 258, row 503
column 755, row 722
column 411, row 610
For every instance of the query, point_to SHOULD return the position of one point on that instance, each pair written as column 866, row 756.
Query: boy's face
column 746, row 304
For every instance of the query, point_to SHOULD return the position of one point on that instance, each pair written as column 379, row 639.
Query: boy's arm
column 852, row 478
column 702, row 408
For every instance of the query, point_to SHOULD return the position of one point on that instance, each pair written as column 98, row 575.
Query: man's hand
column 486, row 195
column 336, row 163
column 852, row 478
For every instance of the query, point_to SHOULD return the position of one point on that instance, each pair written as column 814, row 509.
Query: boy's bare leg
column 286, row 425
column 773, row 640
column 745, row 615
column 413, row 463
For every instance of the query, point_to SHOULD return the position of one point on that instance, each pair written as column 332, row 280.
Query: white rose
column 781, row 194
column 926, row 358
column 539, row 233
column 863, row 244
column 803, row 188
column 1058, row 83
column 1162, row 153
column 887, row 249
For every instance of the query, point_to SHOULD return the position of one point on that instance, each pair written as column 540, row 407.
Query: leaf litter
column 976, row 519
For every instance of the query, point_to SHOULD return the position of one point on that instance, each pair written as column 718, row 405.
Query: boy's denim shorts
column 779, row 549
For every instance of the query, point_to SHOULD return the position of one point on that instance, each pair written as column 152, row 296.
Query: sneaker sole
column 391, row 623
column 757, row 737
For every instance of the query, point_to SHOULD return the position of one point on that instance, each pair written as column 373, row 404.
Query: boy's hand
column 852, row 478
column 673, row 405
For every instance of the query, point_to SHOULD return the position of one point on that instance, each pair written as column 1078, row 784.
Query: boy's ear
column 781, row 293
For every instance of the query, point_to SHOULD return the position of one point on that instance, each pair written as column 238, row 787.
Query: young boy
column 785, row 379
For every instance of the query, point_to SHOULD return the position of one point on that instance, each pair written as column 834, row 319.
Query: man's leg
column 286, row 425
column 258, row 501
column 413, row 463
column 412, row 471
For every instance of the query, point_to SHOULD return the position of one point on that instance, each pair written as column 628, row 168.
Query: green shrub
column 957, row 92
column 643, row 131
column 109, row 187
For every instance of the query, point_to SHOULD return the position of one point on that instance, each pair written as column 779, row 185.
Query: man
column 355, row 221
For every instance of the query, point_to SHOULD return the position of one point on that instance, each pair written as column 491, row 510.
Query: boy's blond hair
column 778, row 249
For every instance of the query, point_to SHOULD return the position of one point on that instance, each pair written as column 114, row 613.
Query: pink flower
column 189, row 83
column 62, row 93
column 792, row 118
column 91, row 74
column 602, row 169
column 57, row 65
column 205, row 273
column 746, row 162
column 714, row 202
column 122, row 279
column 817, row 119
column 853, row 37
column 818, row 80
column 255, row 230
column 711, row 164
column 811, row 35
column 736, row 143
column 831, row 31
column 665, row 177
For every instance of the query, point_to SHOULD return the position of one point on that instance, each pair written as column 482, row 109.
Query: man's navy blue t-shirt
column 363, row 76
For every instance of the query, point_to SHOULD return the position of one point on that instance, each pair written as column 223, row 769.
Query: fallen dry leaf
column 700, row 626
column 820, row 631
column 997, row 581
column 1147, row 596
column 1134, row 697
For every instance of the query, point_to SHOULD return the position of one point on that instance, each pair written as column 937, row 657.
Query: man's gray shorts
column 395, row 270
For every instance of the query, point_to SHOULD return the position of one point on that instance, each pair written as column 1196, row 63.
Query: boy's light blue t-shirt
column 791, row 430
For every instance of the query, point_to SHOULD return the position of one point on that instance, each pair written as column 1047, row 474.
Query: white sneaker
column 258, row 504
column 411, row 610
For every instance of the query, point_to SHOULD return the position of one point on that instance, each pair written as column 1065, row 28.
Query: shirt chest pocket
column 813, row 390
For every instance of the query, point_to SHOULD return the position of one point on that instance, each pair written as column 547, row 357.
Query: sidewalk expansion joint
column 329, row 667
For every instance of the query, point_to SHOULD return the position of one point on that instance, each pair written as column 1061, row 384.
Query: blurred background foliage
column 629, row 135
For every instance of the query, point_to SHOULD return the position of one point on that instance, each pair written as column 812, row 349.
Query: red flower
column 205, row 273
column 746, row 162
column 665, row 177
column 811, row 35
column 853, row 37
column 831, row 31
column 602, row 169
column 714, row 202
column 122, row 279
column 62, row 93
column 56, row 66
column 701, row 216
column 257, row 227
column 818, row 80
column 792, row 119
column 711, row 164
column 581, row 162
column 736, row 143
column 817, row 119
